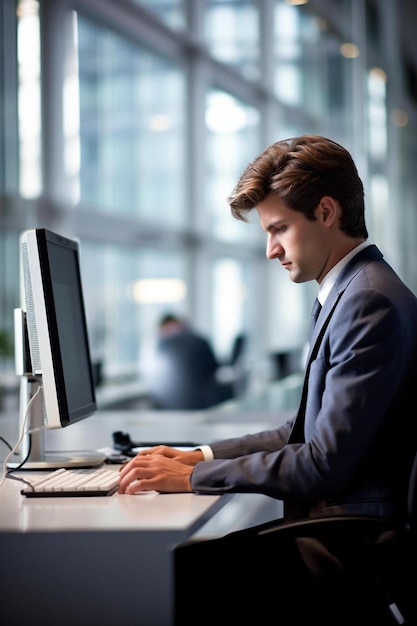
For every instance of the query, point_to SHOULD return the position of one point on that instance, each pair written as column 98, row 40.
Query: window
column 232, row 141
column 132, row 128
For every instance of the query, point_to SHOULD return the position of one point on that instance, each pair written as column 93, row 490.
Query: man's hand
column 161, row 469
column 188, row 457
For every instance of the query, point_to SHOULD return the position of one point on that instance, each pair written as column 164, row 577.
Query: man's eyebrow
column 275, row 224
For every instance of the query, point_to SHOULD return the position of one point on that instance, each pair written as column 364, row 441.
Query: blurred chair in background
column 235, row 370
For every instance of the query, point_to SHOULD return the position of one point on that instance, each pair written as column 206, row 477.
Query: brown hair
column 301, row 171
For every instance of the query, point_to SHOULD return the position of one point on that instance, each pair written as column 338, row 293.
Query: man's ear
column 327, row 210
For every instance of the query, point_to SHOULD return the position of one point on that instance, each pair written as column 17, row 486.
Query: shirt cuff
column 207, row 452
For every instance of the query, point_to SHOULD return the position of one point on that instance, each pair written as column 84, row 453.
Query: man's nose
column 273, row 249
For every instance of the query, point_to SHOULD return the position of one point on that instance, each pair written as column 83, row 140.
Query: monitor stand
column 32, row 447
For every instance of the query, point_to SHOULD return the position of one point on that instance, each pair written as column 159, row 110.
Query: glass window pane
column 231, row 30
column 310, row 71
column 377, row 114
column 132, row 127
column 229, row 294
column 122, row 306
column 172, row 12
column 29, row 101
column 232, row 141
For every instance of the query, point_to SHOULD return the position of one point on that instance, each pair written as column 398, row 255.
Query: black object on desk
column 123, row 443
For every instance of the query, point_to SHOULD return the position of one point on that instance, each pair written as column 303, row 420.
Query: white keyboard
column 73, row 482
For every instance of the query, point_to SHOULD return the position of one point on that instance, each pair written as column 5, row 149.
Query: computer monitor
column 52, row 349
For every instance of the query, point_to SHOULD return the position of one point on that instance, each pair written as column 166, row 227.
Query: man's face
column 303, row 247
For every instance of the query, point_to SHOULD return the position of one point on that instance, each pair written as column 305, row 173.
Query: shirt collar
column 330, row 278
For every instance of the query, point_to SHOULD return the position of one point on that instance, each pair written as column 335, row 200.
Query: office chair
column 351, row 571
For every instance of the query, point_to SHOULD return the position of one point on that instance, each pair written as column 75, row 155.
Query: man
column 349, row 449
column 184, row 372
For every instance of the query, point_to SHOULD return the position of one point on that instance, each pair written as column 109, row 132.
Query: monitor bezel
column 44, row 340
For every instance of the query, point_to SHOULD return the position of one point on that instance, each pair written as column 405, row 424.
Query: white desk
column 107, row 561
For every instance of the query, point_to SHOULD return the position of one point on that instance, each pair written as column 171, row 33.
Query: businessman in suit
column 349, row 448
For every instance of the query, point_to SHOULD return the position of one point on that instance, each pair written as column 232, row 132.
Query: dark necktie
column 297, row 432
column 314, row 314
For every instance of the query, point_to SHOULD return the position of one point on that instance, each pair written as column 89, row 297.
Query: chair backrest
column 412, row 496
column 238, row 348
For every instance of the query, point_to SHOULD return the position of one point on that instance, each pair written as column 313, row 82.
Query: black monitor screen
column 75, row 357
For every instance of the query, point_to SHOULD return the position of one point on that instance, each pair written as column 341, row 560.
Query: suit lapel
column 371, row 253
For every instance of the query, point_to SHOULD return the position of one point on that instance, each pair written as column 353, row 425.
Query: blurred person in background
column 184, row 371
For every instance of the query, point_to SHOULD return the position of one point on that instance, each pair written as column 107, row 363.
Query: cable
column 6, row 443
column 23, row 432
column 25, row 459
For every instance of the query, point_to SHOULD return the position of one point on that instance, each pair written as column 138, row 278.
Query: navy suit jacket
column 358, row 432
